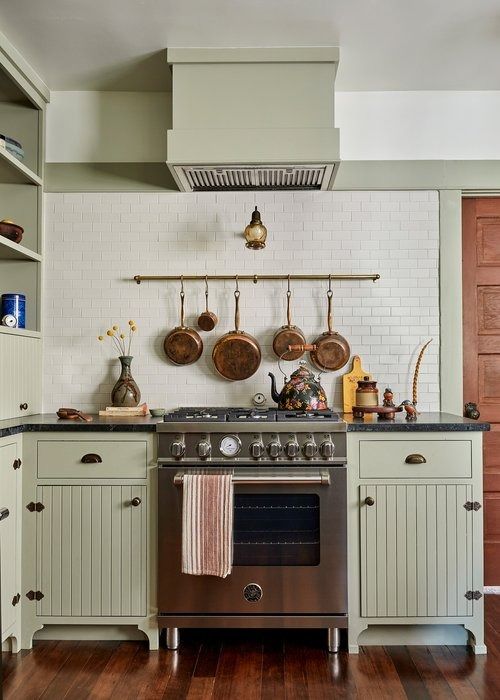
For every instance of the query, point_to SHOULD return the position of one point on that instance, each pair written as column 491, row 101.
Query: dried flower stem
column 417, row 370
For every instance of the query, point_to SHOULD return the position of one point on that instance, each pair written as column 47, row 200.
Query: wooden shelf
column 13, row 171
column 16, row 251
column 26, row 332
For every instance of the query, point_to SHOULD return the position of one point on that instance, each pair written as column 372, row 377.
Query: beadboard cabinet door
column 9, row 536
column 92, row 551
column 416, row 550
column 20, row 375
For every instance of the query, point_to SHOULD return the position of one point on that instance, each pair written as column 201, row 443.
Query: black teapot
column 302, row 392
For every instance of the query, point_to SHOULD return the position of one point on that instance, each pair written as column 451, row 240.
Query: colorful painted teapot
column 302, row 392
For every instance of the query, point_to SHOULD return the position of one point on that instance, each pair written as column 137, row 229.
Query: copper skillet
column 207, row 320
column 332, row 349
column 236, row 354
column 183, row 345
column 288, row 335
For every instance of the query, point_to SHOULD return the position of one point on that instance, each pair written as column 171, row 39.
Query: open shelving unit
column 23, row 98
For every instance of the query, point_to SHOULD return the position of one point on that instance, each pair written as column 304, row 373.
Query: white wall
column 95, row 243
column 418, row 125
column 131, row 126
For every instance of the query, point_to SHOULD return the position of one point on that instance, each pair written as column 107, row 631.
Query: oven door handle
column 320, row 477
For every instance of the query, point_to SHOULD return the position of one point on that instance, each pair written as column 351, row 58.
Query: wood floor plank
column 117, row 665
column 386, row 672
column 23, row 666
column 137, row 674
column 453, row 673
column 183, row 664
column 87, row 676
column 273, row 667
column 365, row 677
column 433, row 679
column 64, row 678
column 201, row 688
column 156, row 684
column 294, row 669
column 47, row 662
column 482, row 672
column 208, row 658
column 410, row 677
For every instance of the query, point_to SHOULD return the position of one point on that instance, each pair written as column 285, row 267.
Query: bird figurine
column 411, row 411
column 471, row 410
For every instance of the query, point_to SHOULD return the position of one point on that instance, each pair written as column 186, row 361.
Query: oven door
column 290, row 545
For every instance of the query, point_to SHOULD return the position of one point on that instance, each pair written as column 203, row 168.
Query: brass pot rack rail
column 252, row 278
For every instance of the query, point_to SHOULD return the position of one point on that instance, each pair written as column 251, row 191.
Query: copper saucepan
column 207, row 320
column 288, row 335
column 183, row 345
column 332, row 349
column 236, row 355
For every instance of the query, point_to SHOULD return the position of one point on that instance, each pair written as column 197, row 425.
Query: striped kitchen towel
column 207, row 524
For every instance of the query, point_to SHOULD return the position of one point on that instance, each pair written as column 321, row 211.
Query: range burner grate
column 305, row 416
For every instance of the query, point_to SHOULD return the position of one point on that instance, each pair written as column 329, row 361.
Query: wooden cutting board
column 350, row 383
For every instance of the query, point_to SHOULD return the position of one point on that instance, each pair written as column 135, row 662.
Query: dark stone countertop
column 425, row 423
column 49, row 422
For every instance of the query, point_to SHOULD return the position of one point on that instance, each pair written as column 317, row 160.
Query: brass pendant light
column 256, row 232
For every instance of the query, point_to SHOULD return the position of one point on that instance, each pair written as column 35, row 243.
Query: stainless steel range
column 290, row 544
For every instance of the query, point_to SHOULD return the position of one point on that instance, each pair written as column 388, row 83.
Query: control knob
column 203, row 449
column 177, row 449
column 310, row 449
column 274, row 449
column 292, row 449
column 256, row 450
column 327, row 449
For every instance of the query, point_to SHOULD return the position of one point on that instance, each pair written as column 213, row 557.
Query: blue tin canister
column 14, row 305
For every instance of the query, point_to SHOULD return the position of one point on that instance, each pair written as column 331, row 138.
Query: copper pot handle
column 237, row 311
column 303, row 348
column 182, row 302
column 288, row 313
column 329, row 294
column 206, row 294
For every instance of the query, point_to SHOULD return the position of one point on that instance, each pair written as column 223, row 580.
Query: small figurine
column 411, row 411
column 388, row 398
column 471, row 411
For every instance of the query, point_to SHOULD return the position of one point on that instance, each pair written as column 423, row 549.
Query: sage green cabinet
column 416, row 546
column 10, row 538
column 92, row 551
column 20, row 375
column 415, row 529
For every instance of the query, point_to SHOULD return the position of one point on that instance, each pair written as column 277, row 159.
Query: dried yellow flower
column 115, row 328
column 100, row 337
column 131, row 323
column 133, row 329
column 122, row 336
column 110, row 332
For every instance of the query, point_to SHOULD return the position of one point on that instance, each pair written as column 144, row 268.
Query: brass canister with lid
column 367, row 392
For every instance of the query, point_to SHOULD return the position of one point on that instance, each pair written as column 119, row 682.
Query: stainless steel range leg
column 333, row 639
column 172, row 638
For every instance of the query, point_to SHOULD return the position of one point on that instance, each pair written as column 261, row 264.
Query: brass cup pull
column 91, row 458
column 415, row 459
column 369, row 501
column 135, row 502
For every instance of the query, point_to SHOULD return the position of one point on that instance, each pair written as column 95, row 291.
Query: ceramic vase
column 125, row 392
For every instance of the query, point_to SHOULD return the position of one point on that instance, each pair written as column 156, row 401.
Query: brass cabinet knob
column 415, row 459
column 91, row 458
column 23, row 406
column 369, row 501
column 135, row 501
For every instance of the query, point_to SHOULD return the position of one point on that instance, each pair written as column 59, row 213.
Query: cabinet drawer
column 387, row 459
column 62, row 459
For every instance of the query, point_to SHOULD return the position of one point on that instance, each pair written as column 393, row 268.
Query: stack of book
column 12, row 146
column 125, row 412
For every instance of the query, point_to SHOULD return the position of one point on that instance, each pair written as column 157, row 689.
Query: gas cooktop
column 207, row 414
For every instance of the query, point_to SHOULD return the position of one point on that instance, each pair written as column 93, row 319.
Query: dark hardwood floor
column 254, row 665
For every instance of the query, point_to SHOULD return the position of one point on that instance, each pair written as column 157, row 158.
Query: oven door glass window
column 276, row 530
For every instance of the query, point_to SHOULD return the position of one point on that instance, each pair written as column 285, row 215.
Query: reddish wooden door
column 481, row 307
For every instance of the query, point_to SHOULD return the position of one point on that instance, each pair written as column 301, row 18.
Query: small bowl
column 157, row 412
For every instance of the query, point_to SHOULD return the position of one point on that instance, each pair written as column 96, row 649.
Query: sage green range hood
column 253, row 119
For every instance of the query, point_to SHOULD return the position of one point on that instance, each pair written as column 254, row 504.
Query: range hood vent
column 253, row 119
column 253, row 177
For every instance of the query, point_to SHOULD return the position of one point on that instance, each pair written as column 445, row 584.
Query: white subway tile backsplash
column 97, row 242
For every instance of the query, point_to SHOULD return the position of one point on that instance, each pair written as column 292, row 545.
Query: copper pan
column 332, row 349
column 183, row 345
column 236, row 355
column 207, row 320
column 288, row 335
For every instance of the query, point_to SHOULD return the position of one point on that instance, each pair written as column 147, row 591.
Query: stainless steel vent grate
column 273, row 177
